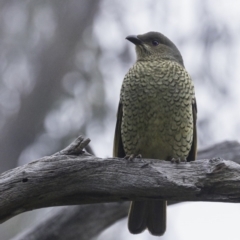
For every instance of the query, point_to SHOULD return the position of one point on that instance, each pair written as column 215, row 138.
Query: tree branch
column 63, row 179
column 76, row 222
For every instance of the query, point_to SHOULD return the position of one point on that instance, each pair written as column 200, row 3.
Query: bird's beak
column 134, row 39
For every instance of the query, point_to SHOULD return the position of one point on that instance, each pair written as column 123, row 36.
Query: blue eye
column 155, row 42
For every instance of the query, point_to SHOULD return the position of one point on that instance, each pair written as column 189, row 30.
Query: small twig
column 76, row 147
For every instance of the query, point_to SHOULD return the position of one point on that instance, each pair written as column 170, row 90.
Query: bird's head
column 154, row 45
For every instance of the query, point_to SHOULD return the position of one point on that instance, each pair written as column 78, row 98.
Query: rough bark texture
column 77, row 222
column 63, row 179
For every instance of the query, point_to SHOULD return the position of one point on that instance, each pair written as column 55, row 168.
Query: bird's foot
column 178, row 160
column 175, row 160
column 132, row 156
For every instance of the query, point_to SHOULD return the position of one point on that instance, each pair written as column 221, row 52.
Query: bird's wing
column 118, row 150
column 193, row 151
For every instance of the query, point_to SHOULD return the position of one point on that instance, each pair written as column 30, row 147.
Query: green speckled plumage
column 156, row 118
column 157, row 98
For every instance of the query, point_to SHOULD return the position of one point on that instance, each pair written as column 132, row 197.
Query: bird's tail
column 147, row 214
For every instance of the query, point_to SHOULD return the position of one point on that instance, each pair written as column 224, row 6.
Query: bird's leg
column 132, row 156
column 175, row 160
column 178, row 160
column 129, row 157
column 184, row 159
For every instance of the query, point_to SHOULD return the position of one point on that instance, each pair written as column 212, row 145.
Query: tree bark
column 76, row 222
column 87, row 221
column 72, row 177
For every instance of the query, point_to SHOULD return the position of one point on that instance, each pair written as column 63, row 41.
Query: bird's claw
column 178, row 160
column 132, row 156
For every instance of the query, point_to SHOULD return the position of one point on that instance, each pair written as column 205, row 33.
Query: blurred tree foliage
column 48, row 67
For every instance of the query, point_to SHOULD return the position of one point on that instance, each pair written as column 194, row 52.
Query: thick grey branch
column 76, row 222
column 60, row 180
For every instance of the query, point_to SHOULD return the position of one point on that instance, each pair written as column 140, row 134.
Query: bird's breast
column 157, row 110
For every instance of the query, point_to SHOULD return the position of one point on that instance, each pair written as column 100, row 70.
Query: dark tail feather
column 147, row 214
column 137, row 218
column 156, row 222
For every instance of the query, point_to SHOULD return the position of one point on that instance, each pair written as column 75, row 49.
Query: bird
column 156, row 118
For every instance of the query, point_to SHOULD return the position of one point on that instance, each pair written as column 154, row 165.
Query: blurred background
column 61, row 68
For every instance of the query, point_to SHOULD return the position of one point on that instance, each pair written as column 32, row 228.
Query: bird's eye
column 155, row 42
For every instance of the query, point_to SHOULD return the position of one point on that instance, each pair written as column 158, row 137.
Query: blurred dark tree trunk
column 51, row 61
